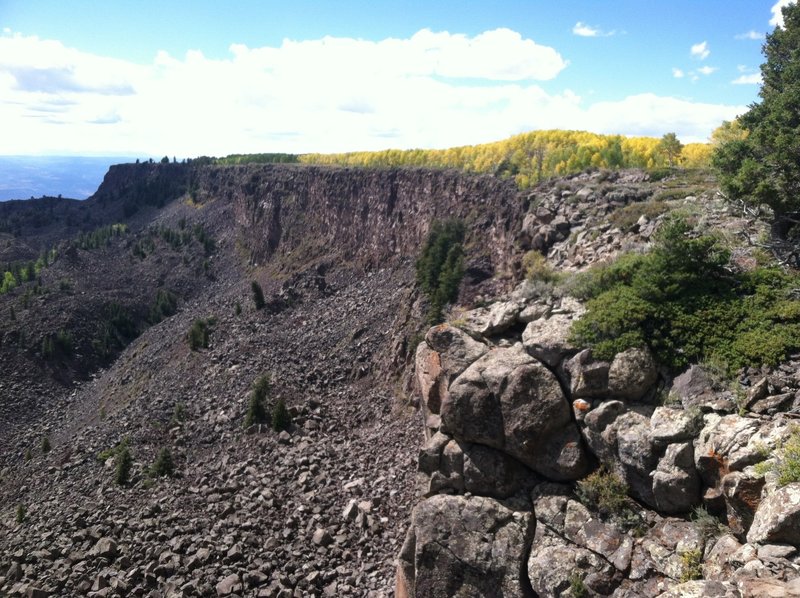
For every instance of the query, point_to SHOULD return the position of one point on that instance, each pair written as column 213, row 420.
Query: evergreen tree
column 258, row 295
column 671, row 147
column 763, row 167
column 124, row 464
column 256, row 408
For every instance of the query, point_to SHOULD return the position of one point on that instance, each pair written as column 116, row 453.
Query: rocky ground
column 325, row 508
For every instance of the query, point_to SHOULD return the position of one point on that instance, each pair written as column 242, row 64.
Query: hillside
column 139, row 332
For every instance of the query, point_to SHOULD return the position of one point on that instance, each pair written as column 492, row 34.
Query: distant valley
column 22, row 177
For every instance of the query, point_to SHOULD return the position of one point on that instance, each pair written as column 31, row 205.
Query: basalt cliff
column 416, row 461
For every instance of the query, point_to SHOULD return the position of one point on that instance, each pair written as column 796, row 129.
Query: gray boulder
column 547, row 338
column 508, row 401
column 459, row 546
column 632, row 374
column 777, row 518
column 587, row 378
column 676, row 485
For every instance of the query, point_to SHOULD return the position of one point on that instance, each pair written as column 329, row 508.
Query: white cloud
column 678, row 73
column 583, row 30
column 706, row 70
column 700, row 50
column 754, row 35
column 777, row 15
column 752, row 79
column 433, row 89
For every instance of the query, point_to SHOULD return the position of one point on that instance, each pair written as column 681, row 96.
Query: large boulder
column 459, row 546
column 632, row 374
column 676, row 485
column 494, row 319
column 587, row 378
column 777, row 518
column 547, row 338
column 663, row 548
column 456, row 349
column 509, row 401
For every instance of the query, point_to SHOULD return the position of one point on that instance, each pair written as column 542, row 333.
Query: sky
column 205, row 77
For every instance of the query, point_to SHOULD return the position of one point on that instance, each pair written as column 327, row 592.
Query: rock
column 430, row 379
column 587, row 378
column 695, row 388
column 632, row 374
column 724, row 445
column 717, row 565
column 489, row 472
column 322, row 537
column 492, row 320
column 546, row 338
column 777, row 518
column 702, row 588
column 676, row 484
column 466, row 547
column 662, row 548
column 769, row 588
column 456, row 349
column 604, row 539
column 508, row 401
column 229, row 585
column 742, row 496
column 668, row 425
column 104, row 548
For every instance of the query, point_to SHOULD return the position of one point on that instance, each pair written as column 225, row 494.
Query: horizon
column 310, row 78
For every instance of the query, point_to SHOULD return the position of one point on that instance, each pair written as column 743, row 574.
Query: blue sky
column 213, row 78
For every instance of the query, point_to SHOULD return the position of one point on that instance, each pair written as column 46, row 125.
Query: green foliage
column 274, row 158
column 164, row 465
column 671, row 148
column 59, row 345
column 440, row 267
column 708, row 524
column 178, row 413
column 785, row 463
column 45, row 445
column 577, row 588
column 682, row 301
column 199, row 333
column 281, row 419
column 117, row 329
column 603, row 491
column 100, row 237
column 256, row 408
column 625, row 218
column 691, row 565
column 22, row 513
column 258, row 295
column 535, row 266
column 165, row 305
column 760, row 165
column 124, row 462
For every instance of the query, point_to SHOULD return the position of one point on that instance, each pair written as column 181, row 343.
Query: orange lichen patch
column 581, row 405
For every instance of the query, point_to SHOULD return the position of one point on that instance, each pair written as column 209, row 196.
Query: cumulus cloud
column 700, row 50
column 777, row 15
column 751, row 79
column 706, row 70
column 433, row 89
column 678, row 73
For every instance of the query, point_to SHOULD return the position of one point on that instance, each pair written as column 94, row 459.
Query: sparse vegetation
column 709, row 525
column 46, row 445
column 577, row 588
column 281, row 419
column 164, row 465
column 603, row 491
column 22, row 513
column 257, row 407
column 165, row 305
column 785, row 461
column 440, row 267
column 124, row 463
column 691, row 565
column 258, row 295
column 199, row 333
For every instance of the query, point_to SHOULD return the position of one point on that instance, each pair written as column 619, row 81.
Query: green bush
column 199, row 334
column 536, row 268
column 281, row 420
column 124, row 464
column 22, row 513
column 440, row 267
column 258, row 295
column 691, row 565
column 165, row 305
column 45, row 445
column 685, row 303
column 164, row 465
column 603, row 491
column 256, row 408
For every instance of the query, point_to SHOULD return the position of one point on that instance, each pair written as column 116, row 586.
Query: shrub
column 683, row 301
column 256, row 408
column 22, row 513
column 165, row 305
column 577, row 587
column 536, row 267
column 258, row 295
column 164, row 465
column 45, row 445
column 198, row 334
column 440, row 267
column 603, row 491
column 786, row 462
column 281, row 420
column 691, row 565
column 124, row 464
